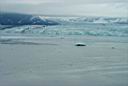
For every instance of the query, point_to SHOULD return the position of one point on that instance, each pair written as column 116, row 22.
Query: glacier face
column 69, row 30
column 65, row 26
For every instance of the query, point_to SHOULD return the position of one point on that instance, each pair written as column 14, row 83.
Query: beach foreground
column 58, row 62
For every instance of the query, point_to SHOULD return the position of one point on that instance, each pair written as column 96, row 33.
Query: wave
column 22, row 41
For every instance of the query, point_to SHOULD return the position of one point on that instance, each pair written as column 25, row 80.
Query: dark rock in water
column 113, row 47
column 80, row 44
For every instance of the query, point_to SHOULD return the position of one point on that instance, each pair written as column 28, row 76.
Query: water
column 34, row 55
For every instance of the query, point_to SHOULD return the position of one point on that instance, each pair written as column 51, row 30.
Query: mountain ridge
column 23, row 19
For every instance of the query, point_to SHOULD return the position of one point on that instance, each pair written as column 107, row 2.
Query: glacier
column 53, row 26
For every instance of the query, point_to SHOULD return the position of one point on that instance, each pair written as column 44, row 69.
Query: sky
column 118, row 8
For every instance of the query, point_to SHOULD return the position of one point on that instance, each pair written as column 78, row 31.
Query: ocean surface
column 38, row 55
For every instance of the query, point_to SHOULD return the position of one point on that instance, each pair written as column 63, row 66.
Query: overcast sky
column 67, row 7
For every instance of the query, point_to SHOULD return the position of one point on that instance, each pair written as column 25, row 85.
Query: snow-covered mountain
column 92, row 20
column 23, row 19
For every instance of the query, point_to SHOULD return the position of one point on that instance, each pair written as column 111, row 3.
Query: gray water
column 47, row 56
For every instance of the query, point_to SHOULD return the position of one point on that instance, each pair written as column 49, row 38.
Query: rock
column 80, row 44
column 113, row 47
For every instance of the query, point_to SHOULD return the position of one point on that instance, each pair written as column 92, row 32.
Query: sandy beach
column 58, row 62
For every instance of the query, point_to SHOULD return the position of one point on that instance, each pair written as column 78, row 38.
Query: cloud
column 67, row 7
column 27, row 1
column 64, row 1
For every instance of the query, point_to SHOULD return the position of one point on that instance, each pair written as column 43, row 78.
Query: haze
column 67, row 7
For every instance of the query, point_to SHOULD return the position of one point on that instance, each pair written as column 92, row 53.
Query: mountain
column 23, row 19
column 90, row 20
